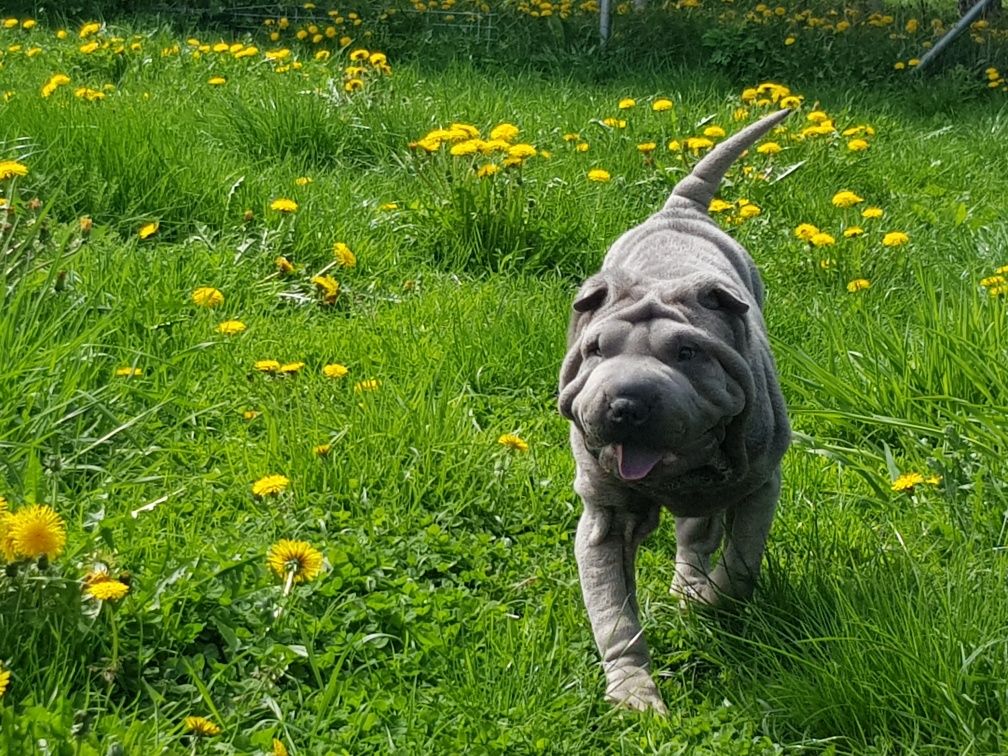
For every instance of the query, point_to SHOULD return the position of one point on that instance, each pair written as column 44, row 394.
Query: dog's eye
column 592, row 348
column 686, row 353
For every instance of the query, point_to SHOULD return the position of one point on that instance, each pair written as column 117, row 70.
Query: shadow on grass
column 885, row 655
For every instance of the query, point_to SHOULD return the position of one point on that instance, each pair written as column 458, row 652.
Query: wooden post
column 605, row 19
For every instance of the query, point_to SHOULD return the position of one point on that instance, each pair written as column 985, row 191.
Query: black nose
column 627, row 410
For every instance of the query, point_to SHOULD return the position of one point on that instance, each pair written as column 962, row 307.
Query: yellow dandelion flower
column 822, row 239
column 768, row 148
column 846, row 198
column 353, row 85
column 279, row 749
column 231, row 327
column 895, row 239
column 463, row 149
column 714, row 132
column 598, row 175
column 487, row 170
column 674, row 146
column 335, row 370
column 788, row 41
column 805, row 231
column 303, row 180
column 817, row 116
column 216, row 81
column 284, row 265
column 11, row 169
column 368, row 385
column 581, row 147
column 870, row 213
column 359, row 54
column 148, row 230
column 201, row 727
column 571, row 137
column 128, row 372
column 37, row 531
column 343, row 255
column 91, row 95
column 512, row 441
column 906, row 482
column 646, row 147
column 1003, row 270
column 626, row 103
column 250, row 415
column 522, row 151
column 207, row 296
column 4, row 680
column 294, row 558
column 852, row 231
column 88, row 29
column 284, row 205
column 697, row 144
column 322, row 450
column 659, row 106
column 107, row 590
column 506, row 132
column 748, row 211
column 289, row 368
column 998, row 291
column 858, row 284
column 614, row 123
column 328, row 287
column 377, row 59
column 270, row 485
column 992, row 281
column 267, row 366
column 857, row 145
column 719, row 206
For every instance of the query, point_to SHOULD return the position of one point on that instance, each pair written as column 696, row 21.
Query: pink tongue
column 635, row 461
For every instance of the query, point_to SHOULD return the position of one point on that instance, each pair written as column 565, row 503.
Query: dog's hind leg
column 748, row 528
column 697, row 538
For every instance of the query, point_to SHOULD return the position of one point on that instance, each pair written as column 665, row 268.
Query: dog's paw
column 697, row 594
column 717, row 592
column 632, row 688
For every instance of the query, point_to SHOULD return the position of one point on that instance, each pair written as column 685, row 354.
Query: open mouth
column 635, row 462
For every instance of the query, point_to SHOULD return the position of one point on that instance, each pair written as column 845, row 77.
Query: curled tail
column 702, row 183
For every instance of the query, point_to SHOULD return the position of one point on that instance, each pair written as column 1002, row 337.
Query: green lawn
column 447, row 617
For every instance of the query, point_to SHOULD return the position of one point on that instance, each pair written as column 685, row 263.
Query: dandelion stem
column 114, row 627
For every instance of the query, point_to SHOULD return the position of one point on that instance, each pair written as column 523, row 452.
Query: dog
column 673, row 400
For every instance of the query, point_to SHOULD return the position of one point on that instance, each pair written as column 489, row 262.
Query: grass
column 448, row 616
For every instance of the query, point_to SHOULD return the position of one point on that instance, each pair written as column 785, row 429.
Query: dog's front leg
column 606, row 549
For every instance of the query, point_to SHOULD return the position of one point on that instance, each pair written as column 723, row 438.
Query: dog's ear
column 592, row 294
column 718, row 296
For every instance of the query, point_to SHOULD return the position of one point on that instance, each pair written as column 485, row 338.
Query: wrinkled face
column 652, row 395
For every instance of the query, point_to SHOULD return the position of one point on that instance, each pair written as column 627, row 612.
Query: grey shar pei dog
column 673, row 399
